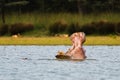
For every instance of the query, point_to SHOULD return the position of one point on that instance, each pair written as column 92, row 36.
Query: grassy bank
column 90, row 40
column 42, row 21
column 47, row 19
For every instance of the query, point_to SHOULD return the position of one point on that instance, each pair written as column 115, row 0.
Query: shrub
column 58, row 27
column 74, row 27
column 117, row 29
column 4, row 29
column 89, row 28
column 20, row 27
column 105, row 27
column 101, row 27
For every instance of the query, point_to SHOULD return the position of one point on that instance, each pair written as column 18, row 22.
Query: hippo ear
column 82, row 35
column 73, row 35
column 84, row 38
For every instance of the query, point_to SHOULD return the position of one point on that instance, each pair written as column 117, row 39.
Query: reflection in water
column 39, row 63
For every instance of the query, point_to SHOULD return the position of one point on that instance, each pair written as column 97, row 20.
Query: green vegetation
column 37, row 20
column 82, row 6
column 43, row 21
column 47, row 19
column 91, row 40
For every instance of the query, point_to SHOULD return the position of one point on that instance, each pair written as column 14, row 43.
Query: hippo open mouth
column 76, row 51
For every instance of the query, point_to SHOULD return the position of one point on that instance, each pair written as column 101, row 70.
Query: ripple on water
column 39, row 63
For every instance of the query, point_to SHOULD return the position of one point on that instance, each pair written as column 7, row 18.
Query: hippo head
column 79, row 35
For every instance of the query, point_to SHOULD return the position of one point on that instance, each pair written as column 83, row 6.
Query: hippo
column 76, row 51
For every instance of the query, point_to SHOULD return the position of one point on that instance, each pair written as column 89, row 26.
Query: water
column 39, row 63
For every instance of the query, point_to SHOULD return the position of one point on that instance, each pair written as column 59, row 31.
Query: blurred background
column 54, row 17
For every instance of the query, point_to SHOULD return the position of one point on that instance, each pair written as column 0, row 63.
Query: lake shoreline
column 90, row 40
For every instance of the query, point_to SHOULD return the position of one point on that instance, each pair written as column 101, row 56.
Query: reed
column 42, row 21
column 49, row 18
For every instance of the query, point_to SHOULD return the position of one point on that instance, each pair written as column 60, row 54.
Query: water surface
column 39, row 63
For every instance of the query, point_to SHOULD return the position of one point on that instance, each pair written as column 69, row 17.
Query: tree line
column 80, row 6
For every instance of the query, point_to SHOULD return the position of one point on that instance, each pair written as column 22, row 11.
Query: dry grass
column 103, row 40
column 90, row 40
column 34, row 41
